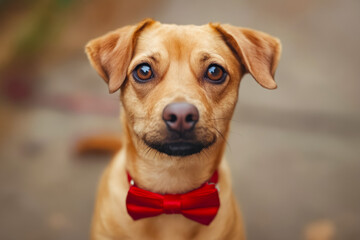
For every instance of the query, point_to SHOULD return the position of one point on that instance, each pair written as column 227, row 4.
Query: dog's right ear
column 111, row 54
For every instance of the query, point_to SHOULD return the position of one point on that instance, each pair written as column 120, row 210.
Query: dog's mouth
column 173, row 144
column 180, row 148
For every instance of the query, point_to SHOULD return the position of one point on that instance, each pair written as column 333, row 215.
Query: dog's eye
column 215, row 74
column 143, row 72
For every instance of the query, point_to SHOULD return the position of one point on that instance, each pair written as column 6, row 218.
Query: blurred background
column 294, row 152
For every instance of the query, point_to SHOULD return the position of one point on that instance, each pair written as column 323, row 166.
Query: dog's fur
column 179, row 56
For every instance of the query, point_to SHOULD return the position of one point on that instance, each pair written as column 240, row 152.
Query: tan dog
column 179, row 87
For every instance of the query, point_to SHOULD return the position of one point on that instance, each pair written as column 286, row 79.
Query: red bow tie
column 200, row 205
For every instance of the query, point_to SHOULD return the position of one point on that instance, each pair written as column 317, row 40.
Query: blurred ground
column 294, row 152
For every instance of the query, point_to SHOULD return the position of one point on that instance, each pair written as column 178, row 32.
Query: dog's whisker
column 220, row 119
column 225, row 119
column 222, row 136
column 148, row 150
column 204, row 152
column 156, row 153
column 144, row 152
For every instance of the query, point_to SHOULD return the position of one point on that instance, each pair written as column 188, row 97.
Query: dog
column 178, row 90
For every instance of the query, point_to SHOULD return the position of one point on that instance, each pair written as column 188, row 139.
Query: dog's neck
column 165, row 174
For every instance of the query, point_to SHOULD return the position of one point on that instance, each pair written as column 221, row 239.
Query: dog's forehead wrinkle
column 155, row 56
column 151, row 53
column 204, row 56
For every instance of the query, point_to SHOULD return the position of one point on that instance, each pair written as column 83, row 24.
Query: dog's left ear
column 111, row 54
column 258, row 51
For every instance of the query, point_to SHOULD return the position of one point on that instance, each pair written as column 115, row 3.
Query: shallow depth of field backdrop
column 294, row 152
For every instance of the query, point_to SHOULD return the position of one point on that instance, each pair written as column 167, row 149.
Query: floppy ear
column 111, row 54
column 258, row 51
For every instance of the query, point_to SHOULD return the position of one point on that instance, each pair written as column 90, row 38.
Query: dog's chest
column 164, row 227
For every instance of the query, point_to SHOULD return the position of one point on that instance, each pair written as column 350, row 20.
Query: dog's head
column 179, row 84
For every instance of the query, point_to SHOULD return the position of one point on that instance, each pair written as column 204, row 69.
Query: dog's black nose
column 180, row 116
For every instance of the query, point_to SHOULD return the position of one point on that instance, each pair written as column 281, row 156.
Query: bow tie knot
column 172, row 204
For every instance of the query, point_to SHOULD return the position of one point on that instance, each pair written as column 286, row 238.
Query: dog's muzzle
column 180, row 137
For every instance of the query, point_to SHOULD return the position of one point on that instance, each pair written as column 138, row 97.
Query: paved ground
column 294, row 152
